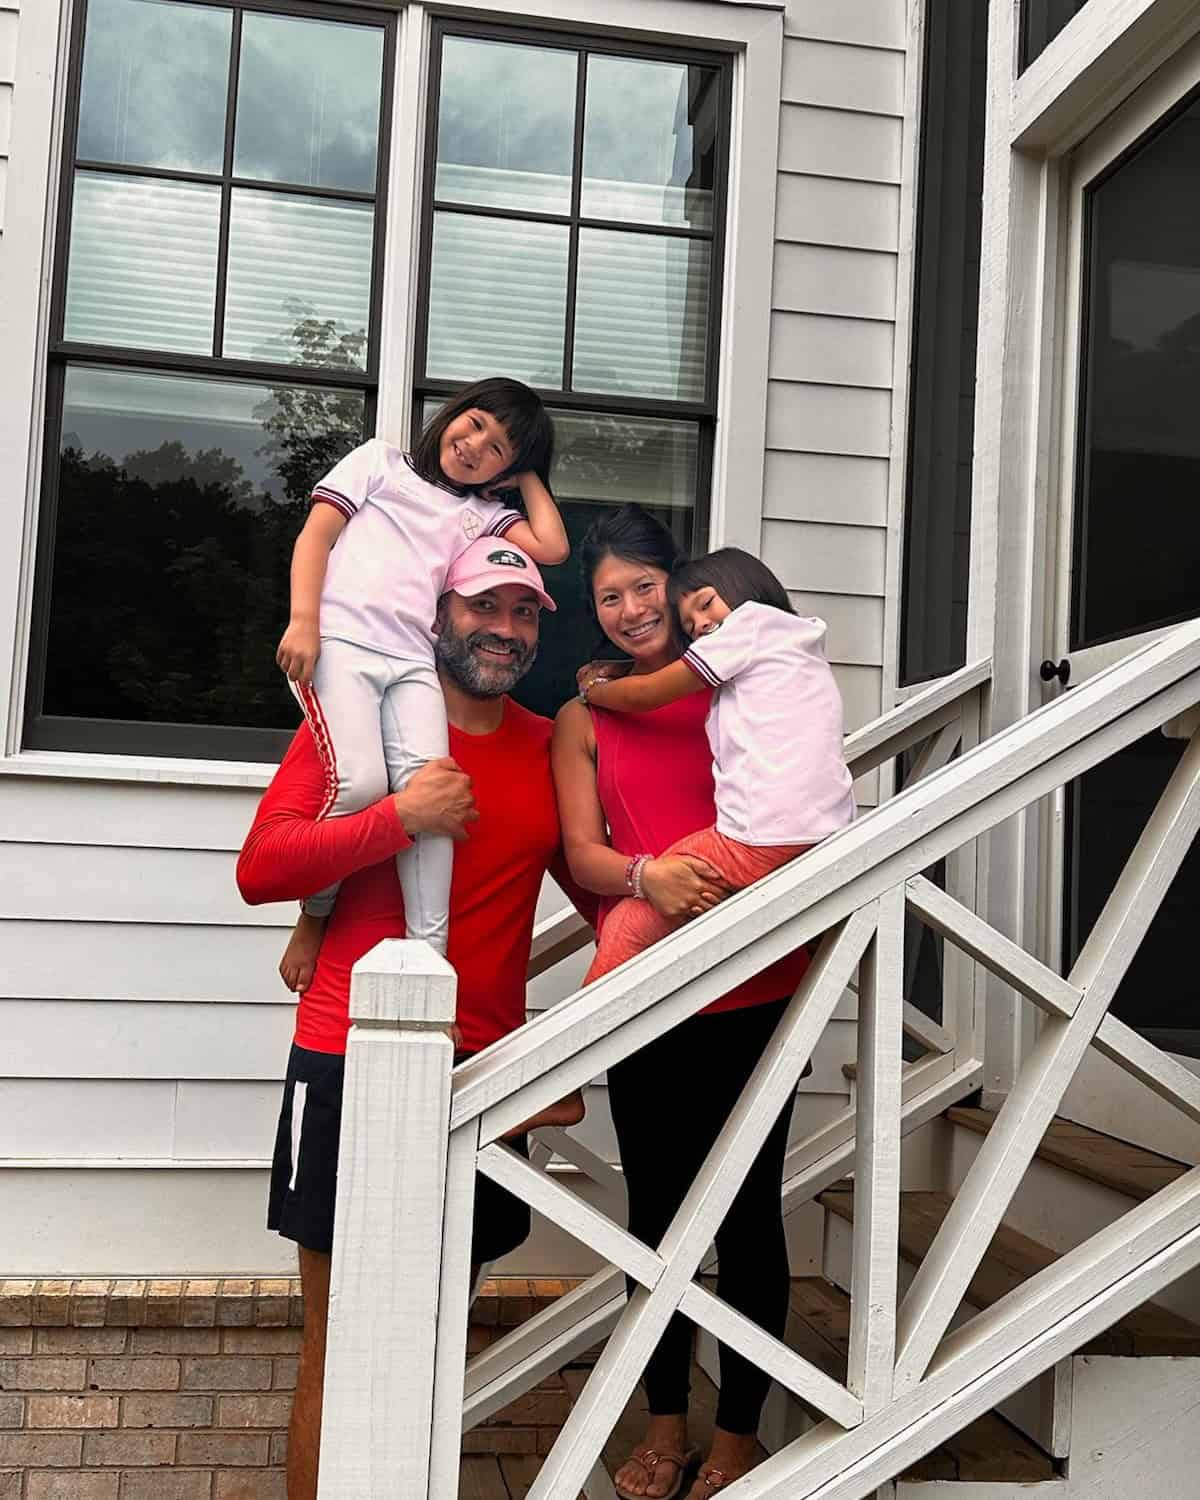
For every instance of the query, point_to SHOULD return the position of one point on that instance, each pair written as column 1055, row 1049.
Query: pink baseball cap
column 490, row 563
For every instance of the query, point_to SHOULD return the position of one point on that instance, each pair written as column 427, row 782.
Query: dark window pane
column 1137, row 523
column 609, row 460
column 650, row 142
column 155, row 84
column 292, row 261
column 497, row 299
column 601, row 462
column 178, row 502
column 641, row 323
column 1044, row 19
column 308, row 102
column 505, row 125
column 1106, row 812
column 933, row 637
column 143, row 263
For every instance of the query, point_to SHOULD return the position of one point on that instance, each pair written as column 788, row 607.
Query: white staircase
column 914, row 1366
column 1114, row 1418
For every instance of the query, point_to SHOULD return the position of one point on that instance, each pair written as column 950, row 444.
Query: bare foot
column 300, row 956
column 568, row 1111
column 664, row 1436
column 733, row 1454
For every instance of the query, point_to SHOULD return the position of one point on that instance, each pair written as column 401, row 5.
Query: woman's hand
column 298, row 650
column 681, row 886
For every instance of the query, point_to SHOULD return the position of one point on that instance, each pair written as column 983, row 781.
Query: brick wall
column 173, row 1390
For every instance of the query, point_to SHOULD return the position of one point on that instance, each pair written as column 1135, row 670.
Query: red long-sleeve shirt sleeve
column 288, row 854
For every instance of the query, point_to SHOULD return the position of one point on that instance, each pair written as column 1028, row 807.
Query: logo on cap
column 506, row 559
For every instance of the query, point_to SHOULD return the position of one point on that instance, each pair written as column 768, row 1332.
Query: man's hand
column 298, row 650
column 438, row 799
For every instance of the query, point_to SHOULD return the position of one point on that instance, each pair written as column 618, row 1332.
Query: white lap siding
column 145, row 1032
column 829, row 414
column 8, row 72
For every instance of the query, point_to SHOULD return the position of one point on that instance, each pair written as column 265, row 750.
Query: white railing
column 415, row 1131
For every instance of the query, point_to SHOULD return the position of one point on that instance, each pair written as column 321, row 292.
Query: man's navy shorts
column 304, row 1168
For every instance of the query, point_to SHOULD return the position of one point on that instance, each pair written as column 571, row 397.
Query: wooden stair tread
column 1011, row 1259
column 989, row 1450
column 1102, row 1159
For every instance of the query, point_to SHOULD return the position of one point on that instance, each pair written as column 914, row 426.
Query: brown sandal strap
column 650, row 1458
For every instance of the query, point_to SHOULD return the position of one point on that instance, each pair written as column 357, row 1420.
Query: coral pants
column 633, row 925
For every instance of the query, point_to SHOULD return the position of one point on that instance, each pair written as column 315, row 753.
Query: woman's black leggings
column 669, row 1102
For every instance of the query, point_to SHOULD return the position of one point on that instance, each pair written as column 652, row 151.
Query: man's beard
column 480, row 678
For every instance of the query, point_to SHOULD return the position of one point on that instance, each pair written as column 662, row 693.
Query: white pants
column 375, row 721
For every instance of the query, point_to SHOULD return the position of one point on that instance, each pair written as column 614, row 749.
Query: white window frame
column 750, row 29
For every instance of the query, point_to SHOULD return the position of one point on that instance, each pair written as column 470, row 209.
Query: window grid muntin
column 149, row 737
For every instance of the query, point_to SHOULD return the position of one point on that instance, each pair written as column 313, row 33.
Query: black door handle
column 1049, row 670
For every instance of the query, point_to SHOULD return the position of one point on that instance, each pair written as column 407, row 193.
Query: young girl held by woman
column 367, row 572
column 774, row 727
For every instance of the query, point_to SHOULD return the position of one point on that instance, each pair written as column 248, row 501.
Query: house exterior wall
column 145, row 1030
column 9, row 20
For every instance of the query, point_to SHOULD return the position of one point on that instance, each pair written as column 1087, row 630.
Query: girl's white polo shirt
column 387, row 569
column 775, row 728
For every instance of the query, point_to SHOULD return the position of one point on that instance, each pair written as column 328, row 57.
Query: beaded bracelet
column 638, row 870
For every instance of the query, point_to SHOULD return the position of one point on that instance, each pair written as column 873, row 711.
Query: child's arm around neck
column 638, row 695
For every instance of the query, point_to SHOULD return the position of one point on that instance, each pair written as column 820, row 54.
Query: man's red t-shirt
column 498, row 873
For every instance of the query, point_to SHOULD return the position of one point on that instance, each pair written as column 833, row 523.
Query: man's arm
column 289, row 853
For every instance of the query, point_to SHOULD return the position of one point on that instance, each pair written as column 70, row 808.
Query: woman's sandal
column 714, row 1480
column 650, row 1458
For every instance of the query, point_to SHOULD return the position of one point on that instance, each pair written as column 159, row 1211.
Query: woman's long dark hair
column 739, row 577
column 518, row 410
column 633, row 535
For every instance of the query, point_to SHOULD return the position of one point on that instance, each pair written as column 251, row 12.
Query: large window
column 214, row 348
column 573, row 239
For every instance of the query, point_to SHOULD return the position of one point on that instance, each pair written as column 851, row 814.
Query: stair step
column 989, row 1450
column 1011, row 1259
column 1102, row 1159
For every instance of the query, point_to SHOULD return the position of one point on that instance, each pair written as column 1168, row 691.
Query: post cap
column 403, row 982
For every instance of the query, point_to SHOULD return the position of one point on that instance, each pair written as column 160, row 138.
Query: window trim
column 62, row 733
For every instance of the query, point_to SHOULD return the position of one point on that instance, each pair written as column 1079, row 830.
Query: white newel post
column 387, row 1244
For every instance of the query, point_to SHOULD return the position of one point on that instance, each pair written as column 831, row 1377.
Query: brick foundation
column 181, row 1390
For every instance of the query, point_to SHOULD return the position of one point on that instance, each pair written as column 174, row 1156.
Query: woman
column 632, row 784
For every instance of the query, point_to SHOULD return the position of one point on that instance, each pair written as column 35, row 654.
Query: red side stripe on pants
column 323, row 741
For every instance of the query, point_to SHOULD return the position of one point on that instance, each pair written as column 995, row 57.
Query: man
column 498, row 782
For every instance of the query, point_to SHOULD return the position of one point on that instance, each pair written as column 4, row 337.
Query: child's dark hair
column 518, row 410
column 739, row 577
column 633, row 535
